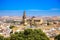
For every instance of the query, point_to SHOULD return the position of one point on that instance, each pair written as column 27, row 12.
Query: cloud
column 36, row 10
column 55, row 9
column 52, row 10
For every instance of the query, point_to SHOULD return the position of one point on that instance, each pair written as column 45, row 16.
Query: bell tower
column 24, row 18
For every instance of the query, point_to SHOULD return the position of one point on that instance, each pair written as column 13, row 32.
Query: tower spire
column 24, row 18
column 24, row 15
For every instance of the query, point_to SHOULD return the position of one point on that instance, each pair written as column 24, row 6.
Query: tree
column 1, row 37
column 11, row 27
column 27, row 34
column 30, row 34
column 35, row 34
column 8, row 38
column 57, row 37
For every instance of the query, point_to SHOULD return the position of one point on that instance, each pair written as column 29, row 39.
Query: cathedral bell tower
column 24, row 19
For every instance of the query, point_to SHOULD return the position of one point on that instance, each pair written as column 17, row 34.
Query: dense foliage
column 11, row 27
column 27, row 34
column 57, row 37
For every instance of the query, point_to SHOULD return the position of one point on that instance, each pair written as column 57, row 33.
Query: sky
column 32, row 7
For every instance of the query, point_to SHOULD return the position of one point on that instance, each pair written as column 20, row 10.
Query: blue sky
column 32, row 7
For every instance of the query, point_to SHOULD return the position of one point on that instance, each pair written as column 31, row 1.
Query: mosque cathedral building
column 31, row 21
